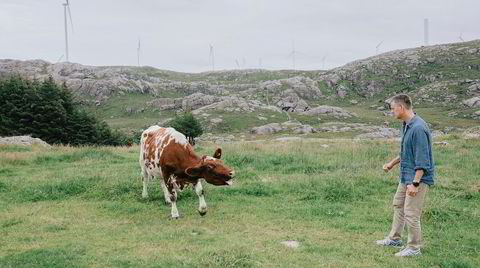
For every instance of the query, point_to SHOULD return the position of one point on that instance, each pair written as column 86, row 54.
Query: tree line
column 45, row 110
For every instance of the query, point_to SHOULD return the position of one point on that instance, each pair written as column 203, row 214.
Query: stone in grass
column 291, row 244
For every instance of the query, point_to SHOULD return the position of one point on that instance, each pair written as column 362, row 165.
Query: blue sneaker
column 409, row 252
column 389, row 242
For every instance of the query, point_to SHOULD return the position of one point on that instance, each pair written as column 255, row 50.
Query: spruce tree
column 49, row 112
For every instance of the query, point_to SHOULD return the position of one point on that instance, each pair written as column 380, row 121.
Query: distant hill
column 446, row 76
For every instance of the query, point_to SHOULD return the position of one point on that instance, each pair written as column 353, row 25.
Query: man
column 417, row 173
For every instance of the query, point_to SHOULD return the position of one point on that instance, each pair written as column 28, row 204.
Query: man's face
column 397, row 110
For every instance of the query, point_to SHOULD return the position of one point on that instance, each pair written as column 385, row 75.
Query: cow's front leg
column 172, row 194
column 202, row 207
column 166, row 193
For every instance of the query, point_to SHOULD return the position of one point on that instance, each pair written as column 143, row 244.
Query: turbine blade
column 70, row 15
column 59, row 59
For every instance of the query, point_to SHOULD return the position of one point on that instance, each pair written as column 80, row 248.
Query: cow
column 166, row 154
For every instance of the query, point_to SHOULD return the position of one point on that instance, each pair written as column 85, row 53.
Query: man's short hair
column 402, row 99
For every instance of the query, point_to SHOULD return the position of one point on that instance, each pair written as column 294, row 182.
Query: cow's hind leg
column 146, row 179
column 202, row 207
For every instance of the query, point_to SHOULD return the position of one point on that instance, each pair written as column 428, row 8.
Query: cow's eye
column 210, row 166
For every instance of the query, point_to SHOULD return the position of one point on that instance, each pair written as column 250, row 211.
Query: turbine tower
column 138, row 53
column 323, row 62
column 66, row 7
column 212, row 57
column 293, row 53
column 425, row 31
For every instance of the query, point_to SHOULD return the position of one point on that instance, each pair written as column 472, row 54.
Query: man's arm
column 388, row 166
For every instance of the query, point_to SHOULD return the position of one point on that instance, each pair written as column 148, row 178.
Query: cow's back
column 156, row 141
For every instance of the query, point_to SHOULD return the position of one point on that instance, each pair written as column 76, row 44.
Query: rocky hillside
column 442, row 75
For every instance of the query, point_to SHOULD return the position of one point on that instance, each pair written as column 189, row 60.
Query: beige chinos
column 407, row 210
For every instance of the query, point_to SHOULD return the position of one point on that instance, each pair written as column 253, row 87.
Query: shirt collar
column 409, row 122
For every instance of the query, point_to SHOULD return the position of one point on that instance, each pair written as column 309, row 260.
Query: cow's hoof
column 202, row 213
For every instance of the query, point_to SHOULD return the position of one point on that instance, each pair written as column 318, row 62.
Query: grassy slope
column 451, row 65
column 83, row 207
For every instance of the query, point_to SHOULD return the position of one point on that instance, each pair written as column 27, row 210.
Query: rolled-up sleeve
column 421, row 149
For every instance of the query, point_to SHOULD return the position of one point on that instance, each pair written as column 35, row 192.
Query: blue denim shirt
column 416, row 152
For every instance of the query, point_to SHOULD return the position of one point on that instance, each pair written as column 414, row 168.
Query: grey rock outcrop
column 198, row 100
column 289, row 101
column 472, row 102
column 472, row 133
column 267, row 129
column 370, row 131
column 236, row 104
column 380, row 133
column 290, row 126
column 329, row 111
column 474, row 88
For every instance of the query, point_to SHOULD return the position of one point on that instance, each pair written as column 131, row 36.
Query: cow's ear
column 218, row 153
column 194, row 171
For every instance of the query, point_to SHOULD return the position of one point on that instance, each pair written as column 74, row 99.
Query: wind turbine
column 66, row 6
column 59, row 59
column 138, row 53
column 212, row 57
column 377, row 47
column 293, row 53
column 323, row 62
column 260, row 63
column 238, row 64
column 461, row 38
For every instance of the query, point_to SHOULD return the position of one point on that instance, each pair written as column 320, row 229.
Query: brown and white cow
column 166, row 154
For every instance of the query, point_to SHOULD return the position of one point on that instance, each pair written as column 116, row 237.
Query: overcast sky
column 177, row 34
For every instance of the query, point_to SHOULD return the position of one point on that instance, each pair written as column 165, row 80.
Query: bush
column 188, row 125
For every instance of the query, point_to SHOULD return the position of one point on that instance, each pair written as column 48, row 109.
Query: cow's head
column 212, row 169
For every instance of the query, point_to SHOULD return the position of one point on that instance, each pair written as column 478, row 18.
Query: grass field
column 82, row 207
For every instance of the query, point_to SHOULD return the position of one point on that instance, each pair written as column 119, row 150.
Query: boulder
column 197, row 100
column 304, row 129
column 289, row 101
column 329, row 111
column 380, row 133
column 472, row 133
column 267, row 129
column 474, row 88
column 23, row 140
column 341, row 91
column 472, row 102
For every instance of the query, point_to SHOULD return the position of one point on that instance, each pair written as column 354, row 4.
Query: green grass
column 82, row 207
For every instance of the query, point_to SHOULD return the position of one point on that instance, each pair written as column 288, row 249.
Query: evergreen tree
column 48, row 111
column 50, row 115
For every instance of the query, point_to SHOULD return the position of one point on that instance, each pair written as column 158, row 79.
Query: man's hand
column 387, row 167
column 411, row 190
